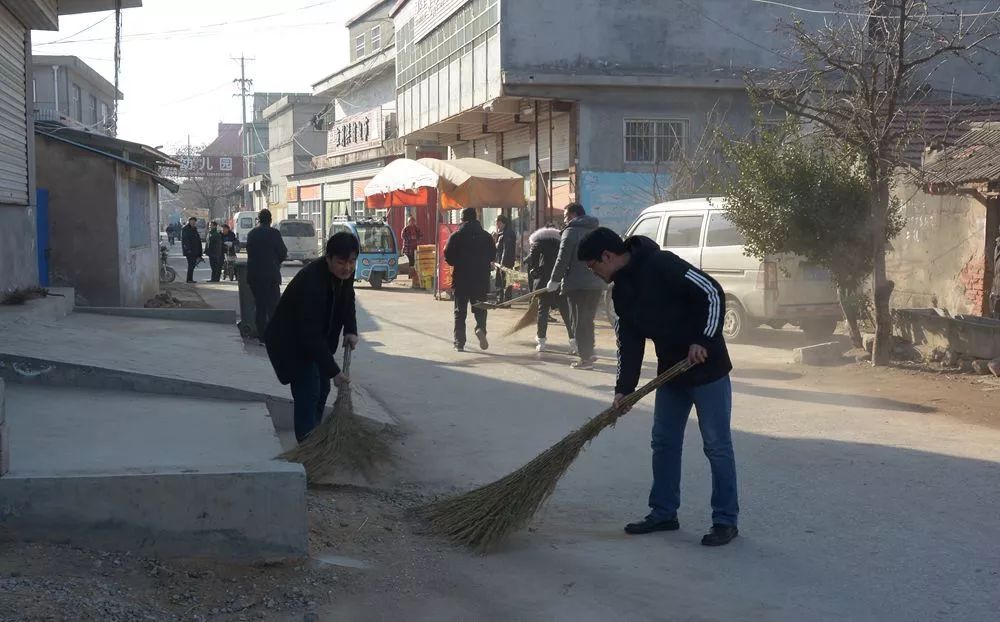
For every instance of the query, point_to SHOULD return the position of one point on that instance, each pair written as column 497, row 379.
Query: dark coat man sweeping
column 470, row 251
column 540, row 261
column 191, row 247
column 266, row 251
column 301, row 340
column 506, row 244
column 661, row 297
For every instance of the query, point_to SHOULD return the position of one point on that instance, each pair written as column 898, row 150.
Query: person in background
column 539, row 263
column 302, row 338
column 582, row 288
column 191, row 247
column 266, row 252
column 470, row 251
column 411, row 238
column 171, row 233
column 506, row 245
column 215, row 251
column 230, row 244
column 661, row 297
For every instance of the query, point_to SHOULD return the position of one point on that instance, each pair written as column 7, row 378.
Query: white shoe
column 540, row 344
column 572, row 347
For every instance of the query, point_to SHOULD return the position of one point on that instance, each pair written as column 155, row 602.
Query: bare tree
column 857, row 75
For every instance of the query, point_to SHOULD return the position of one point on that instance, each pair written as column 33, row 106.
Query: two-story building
column 295, row 137
column 19, row 255
column 592, row 100
column 362, row 134
column 67, row 90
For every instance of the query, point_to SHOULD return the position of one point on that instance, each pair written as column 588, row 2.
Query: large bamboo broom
column 342, row 441
column 482, row 518
column 530, row 318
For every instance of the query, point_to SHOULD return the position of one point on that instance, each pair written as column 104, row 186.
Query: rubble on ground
column 163, row 300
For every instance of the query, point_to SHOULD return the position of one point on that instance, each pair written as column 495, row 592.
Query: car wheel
column 818, row 329
column 734, row 322
column 376, row 280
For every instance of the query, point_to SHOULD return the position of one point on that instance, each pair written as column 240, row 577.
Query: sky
column 177, row 67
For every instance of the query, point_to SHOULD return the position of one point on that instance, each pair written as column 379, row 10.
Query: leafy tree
column 790, row 195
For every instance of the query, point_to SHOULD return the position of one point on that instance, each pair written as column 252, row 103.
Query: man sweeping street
column 661, row 297
column 303, row 335
column 582, row 289
column 470, row 251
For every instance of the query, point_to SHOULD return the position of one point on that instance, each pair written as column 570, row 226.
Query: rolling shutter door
column 13, row 113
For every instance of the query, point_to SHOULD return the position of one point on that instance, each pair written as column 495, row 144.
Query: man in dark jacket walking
column 266, row 252
column 302, row 338
column 539, row 263
column 506, row 244
column 661, row 297
column 191, row 247
column 470, row 251
column 215, row 251
column 583, row 290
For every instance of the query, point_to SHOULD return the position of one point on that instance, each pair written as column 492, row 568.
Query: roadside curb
column 215, row 316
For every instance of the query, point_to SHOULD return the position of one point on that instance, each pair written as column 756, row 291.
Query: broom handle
column 347, row 361
column 523, row 298
column 632, row 398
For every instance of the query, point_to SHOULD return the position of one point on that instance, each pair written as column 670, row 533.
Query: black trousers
column 583, row 305
column 216, row 264
column 192, row 264
column 265, row 299
column 546, row 302
column 462, row 302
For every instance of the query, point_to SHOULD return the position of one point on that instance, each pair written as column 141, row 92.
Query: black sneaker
column 649, row 525
column 459, row 348
column 582, row 364
column 483, row 344
column 720, row 535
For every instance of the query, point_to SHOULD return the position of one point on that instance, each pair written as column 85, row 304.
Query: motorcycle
column 167, row 274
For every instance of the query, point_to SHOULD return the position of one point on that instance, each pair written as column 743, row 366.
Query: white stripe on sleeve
column 714, row 305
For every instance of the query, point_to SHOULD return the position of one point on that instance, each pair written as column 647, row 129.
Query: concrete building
column 296, row 136
column 256, row 142
column 591, row 99
column 19, row 256
column 102, row 225
column 362, row 133
column 67, row 90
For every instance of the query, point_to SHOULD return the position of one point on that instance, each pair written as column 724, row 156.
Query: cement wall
column 45, row 96
column 82, row 220
column 18, row 250
column 696, row 38
column 138, row 272
column 940, row 257
column 379, row 91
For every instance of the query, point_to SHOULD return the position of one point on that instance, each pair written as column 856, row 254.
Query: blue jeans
column 309, row 390
column 714, row 402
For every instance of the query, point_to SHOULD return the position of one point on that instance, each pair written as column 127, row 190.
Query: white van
column 300, row 239
column 243, row 223
column 776, row 291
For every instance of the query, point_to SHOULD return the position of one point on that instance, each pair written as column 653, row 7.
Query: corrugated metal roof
column 973, row 158
column 940, row 124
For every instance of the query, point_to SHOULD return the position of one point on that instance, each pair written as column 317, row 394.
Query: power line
column 192, row 28
column 870, row 14
column 80, row 32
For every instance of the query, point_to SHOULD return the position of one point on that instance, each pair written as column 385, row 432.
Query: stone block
column 981, row 367
column 995, row 367
column 830, row 353
column 868, row 340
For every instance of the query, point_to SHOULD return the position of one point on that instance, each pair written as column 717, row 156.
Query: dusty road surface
column 866, row 495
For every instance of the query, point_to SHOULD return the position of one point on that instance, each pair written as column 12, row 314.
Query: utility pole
column 244, row 85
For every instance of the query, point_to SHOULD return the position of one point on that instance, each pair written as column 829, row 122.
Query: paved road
column 854, row 507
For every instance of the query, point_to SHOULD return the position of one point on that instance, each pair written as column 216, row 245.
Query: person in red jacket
column 411, row 238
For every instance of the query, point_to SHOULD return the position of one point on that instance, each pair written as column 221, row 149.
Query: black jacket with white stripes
column 661, row 297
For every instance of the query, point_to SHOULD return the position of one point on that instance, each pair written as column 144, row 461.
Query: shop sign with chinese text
column 356, row 133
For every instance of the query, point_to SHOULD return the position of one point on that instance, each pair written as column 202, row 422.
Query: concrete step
column 170, row 475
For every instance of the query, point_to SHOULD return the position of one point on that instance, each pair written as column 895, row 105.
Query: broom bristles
column 530, row 318
column 483, row 517
column 341, row 442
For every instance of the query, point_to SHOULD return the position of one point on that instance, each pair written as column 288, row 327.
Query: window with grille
column 376, row 38
column 359, row 46
column 648, row 141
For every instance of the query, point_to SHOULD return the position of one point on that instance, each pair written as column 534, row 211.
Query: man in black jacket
column 506, row 245
column 661, row 297
column 539, row 263
column 191, row 246
column 215, row 251
column 266, row 252
column 302, row 337
column 470, row 251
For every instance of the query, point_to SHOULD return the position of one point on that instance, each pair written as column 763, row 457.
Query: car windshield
column 246, row 222
column 376, row 239
column 294, row 229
